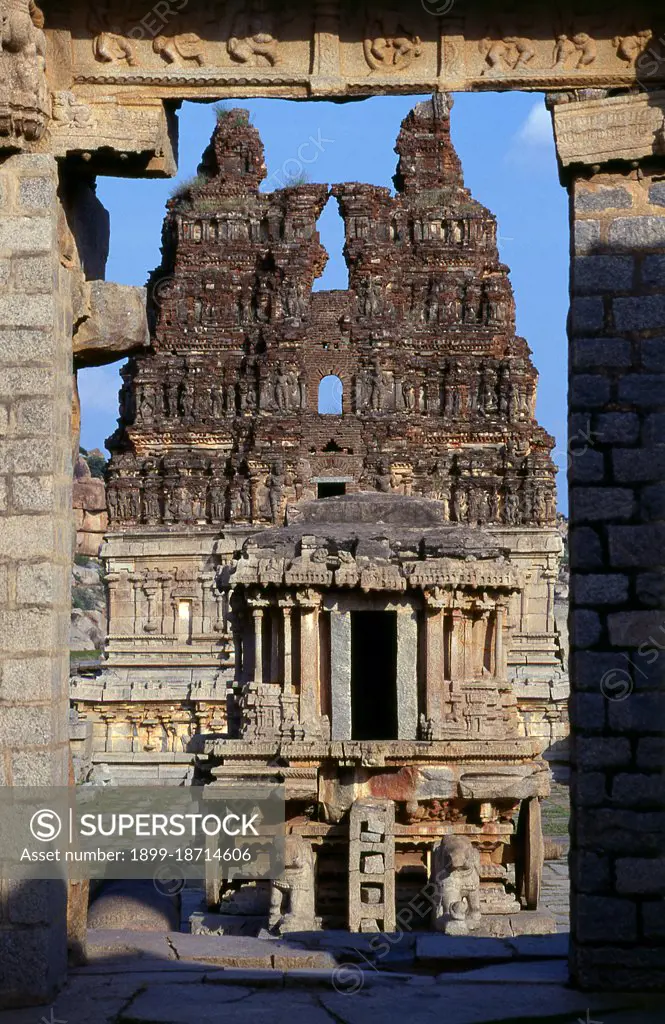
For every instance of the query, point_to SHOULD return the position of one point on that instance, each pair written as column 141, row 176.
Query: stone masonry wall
column 35, row 547
column 617, row 538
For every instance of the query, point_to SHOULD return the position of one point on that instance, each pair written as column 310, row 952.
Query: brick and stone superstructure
column 220, row 430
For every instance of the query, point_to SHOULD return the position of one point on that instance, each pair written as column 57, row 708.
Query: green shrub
column 187, row 186
column 83, row 599
column 96, row 465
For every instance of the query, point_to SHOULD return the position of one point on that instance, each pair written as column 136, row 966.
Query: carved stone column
column 435, row 664
column 456, row 645
column 550, row 577
column 499, row 656
column 617, row 525
column 407, row 674
column 286, row 604
column 340, row 675
column 309, row 603
column 257, row 616
column 275, row 617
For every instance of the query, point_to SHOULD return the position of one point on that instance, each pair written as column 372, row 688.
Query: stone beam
column 617, row 524
column 177, row 50
column 132, row 136
column 110, row 323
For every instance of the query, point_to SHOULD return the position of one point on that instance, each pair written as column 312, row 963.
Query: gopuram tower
column 364, row 594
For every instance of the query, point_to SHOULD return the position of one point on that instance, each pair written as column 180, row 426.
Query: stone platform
column 141, row 978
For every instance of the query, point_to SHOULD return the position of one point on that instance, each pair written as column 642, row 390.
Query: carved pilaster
column 326, row 73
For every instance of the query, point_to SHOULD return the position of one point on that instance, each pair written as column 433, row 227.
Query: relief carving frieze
column 329, row 47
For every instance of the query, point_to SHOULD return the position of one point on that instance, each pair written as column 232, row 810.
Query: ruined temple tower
column 367, row 594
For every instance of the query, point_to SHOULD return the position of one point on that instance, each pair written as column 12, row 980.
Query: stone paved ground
column 164, row 981
column 190, row 994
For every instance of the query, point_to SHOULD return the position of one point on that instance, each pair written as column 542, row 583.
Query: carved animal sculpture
column 22, row 25
column 456, row 864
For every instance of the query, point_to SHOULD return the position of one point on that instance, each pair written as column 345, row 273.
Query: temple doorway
column 330, row 488
column 374, row 675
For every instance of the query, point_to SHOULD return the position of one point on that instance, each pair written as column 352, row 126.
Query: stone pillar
column 617, row 534
column 407, row 674
column 309, row 660
column 36, row 538
column 457, row 645
column 372, row 866
column 435, row 667
column 257, row 615
column 274, row 644
column 340, row 674
column 499, row 660
column 286, row 604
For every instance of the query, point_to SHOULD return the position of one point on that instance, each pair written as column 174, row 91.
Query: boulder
column 111, row 323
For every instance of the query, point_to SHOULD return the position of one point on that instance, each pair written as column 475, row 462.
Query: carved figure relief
column 251, row 36
column 510, row 53
column 630, row 48
column 186, row 46
column 389, row 45
column 577, row 51
column 109, row 22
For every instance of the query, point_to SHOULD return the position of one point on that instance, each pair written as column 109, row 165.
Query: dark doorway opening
column 374, row 675
column 330, row 489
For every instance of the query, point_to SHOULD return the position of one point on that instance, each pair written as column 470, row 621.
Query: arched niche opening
column 331, row 396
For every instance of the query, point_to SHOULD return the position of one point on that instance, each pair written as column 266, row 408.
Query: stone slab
column 210, row 1004
column 538, row 972
column 541, row 946
column 248, row 952
column 459, row 1003
column 433, row 948
column 223, row 950
column 103, row 942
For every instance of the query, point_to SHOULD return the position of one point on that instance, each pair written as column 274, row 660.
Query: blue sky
column 505, row 143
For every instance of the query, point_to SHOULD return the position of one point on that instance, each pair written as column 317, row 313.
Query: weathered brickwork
column 617, row 465
column 35, row 547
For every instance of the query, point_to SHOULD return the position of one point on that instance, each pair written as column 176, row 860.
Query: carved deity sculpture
column 286, row 384
column 146, row 405
column 292, row 894
column 276, row 482
column 171, row 389
column 187, row 398
column 456, row 874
